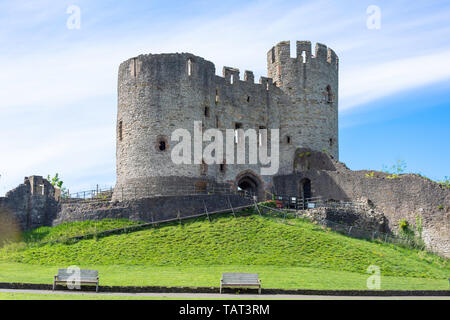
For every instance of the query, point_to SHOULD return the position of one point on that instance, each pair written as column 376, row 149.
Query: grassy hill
column 225, row 241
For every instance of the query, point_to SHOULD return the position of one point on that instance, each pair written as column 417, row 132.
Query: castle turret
column 310, row 82
column 158, row 94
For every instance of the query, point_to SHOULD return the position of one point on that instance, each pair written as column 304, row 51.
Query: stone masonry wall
column 406, row 197
column 32, row 203
column 147, row 210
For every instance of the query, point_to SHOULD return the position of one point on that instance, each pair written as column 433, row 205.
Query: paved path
column 223, row 296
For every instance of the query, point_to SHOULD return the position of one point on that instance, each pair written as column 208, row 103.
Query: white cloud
column 364, row 84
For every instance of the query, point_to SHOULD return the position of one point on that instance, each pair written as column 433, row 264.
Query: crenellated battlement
column 189, row 66
column 281, row 53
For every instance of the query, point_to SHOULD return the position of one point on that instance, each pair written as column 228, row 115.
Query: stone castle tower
column 160, row 93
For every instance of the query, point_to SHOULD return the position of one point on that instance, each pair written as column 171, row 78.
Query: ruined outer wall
column 403, row 198
column 310, row 84
column 32, row 203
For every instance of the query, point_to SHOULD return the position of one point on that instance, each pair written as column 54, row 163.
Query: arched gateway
column 251, row 183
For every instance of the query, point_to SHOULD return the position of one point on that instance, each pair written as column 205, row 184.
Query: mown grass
column 275, row 277
column 291, row 254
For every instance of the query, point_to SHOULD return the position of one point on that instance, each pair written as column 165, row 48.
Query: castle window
column 120, row 130
column 161, row 144
column 248, row 98
column 261, row 135
column 237, row 126
column 232, row 79
column 189, row 67
column 304, row 56
column 331, row 142
column 273, row 55
column 329, row 95
column 288, row 139
column 203, row 168
column 217, row 121
column 207, row 112
column 222, row 167
column 217, row 96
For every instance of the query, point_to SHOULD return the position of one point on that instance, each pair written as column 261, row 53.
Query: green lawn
column 291, row 254
column 209, row 276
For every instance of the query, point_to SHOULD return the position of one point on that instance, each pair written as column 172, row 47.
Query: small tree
column 57, row 182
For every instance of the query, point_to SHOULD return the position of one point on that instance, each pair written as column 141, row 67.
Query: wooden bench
column 247, row 280
column 66, row 276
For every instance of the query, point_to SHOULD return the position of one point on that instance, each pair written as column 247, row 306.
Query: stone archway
column 250, row 182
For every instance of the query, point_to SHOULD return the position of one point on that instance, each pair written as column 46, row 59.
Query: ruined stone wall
column 147, row 210
column 406, row 197
column 32, row 203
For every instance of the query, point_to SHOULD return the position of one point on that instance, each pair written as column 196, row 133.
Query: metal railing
column 314, row 202
column 135, row 192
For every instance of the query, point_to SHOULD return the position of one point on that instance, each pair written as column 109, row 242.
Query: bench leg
column 54, row 284
column 220, row 289
column 96, row 288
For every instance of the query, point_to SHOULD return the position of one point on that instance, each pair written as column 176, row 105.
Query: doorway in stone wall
column 305, row 192
column 251, row 184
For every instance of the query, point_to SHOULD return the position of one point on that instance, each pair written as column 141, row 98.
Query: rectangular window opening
column 237, row 126
column 261, row 135
column 189, row 67
column 120, row 130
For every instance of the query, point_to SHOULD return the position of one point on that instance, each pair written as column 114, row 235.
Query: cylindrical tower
column 309, row 117
column 158, row 94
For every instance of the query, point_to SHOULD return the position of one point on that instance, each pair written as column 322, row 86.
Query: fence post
column 256, row 206
column 179, row 216
column 232, row 210
column 206, row 210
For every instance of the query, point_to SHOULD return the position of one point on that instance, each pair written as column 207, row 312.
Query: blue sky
column 58, row 97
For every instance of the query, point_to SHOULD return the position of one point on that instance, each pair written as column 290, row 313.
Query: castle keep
column 160, row 93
